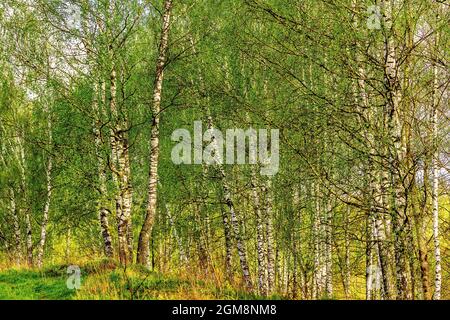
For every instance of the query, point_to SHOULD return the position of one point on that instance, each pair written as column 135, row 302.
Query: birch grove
column 134, row 132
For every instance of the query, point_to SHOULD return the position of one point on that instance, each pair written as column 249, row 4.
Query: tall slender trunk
column 242, row 252
column 317, row 274
column 260, row 228
column 228, row 244
column 102, row 207
column 296, row 239
column 397, row 152
column 235, row 224
column 29, row 239
column 383, row 255
column 347, row 271
column 144, row 236
column 369, row 258
column 25, row 206
column 269, row 236
column 126, row 194
column 375, row 233
column 16, row 226
column 183, row 257
column 67, row 251
column 328, row 249
column 126, row 191
column 435, row 188
column 115, row 166
column 120, row 165
column 48, row 174
column 424, row 268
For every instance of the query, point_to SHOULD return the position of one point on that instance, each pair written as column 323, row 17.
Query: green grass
column 105, row 280
column 32, row 285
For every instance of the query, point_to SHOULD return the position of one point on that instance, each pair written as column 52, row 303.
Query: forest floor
column 104, row 280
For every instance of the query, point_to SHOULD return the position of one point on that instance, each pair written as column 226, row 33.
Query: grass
column 105, row 280
column 32, row 285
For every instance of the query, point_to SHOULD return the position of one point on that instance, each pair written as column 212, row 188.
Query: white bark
column 435, row 190
column 144, row 236
column 183, row 257
column 397, row 153
column 102, row 209
column 317, row 275
column 48, row 174
column 260, row 229
column 328, row 250
column 23, row 183
column 269, row 236
column 16, row 226
column 235, row 225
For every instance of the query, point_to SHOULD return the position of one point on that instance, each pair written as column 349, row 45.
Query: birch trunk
column 435, row 189
column 328, row 250
column 183, row 257
column 228, row 245
column 144, row 236
column 262, row 254
column 29, row 239
column 115, row 167
column 235, row 225
column 317, row 273
column 369, row 259
column 16, row 226
column 270, row 240
column 24, row 189
column 376, row 235
column 237, row 234
column 102, row 208
column 126, row 196
column 347, row 273
column 121, row 175
column 397, row 152
column 48, row 174
column 17, row 247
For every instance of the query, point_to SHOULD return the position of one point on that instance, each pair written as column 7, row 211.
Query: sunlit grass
column 106, row 280
column 31, row 285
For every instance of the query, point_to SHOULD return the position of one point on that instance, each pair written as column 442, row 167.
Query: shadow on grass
column 33, row 285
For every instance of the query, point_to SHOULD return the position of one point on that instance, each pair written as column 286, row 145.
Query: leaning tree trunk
column 144, row 236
